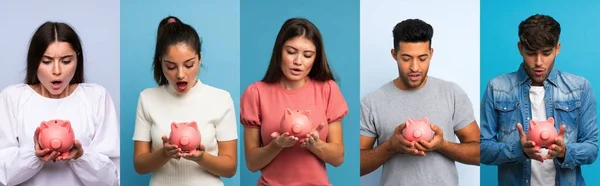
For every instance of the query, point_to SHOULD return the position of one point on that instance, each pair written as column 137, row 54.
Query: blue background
column 217, row 23
column 578, row 54
column 339, row 25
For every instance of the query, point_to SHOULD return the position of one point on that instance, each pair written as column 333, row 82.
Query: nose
column 180, row 75
column 538, row 60
column 56, row 69
column 414, row 65
column 297, row 60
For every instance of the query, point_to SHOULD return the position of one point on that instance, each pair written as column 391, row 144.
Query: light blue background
column 339, row 24
column 578, row 55
column 217, row 23
column 453, row 61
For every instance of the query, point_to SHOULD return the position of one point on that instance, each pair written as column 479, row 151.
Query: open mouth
column 296, row 71
column 56, row 84
column 414, row 76
column 181, row 85
column 538, row 72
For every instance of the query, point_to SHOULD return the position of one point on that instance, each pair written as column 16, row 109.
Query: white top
column 542, row 174
column 210, row 107
column 94, row 121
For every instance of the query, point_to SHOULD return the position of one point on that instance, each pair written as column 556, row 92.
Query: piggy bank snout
column 55, row 144
column 184, row 141
column 297, row 129
column 545, row 135
column 417, row 133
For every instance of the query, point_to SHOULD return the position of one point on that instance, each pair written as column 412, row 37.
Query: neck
column 45, row 93
column 291, row 85
column 402, row 86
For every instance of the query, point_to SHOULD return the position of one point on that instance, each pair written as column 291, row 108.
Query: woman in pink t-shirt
column 299, row 79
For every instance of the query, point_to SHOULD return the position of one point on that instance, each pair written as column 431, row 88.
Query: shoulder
column 504, row 82
column 572, row 82
column 378, row 94
column 216, row 93
column 15, row 89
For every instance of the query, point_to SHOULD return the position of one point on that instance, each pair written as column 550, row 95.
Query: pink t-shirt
column 263, row 106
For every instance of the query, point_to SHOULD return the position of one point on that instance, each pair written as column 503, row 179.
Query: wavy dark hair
column 292, row 28
column 539, row 31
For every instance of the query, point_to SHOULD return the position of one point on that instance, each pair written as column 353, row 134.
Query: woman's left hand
column 312, row 140
column 194, row 156
column 74, row 153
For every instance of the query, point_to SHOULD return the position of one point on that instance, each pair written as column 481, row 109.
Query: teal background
column 338, row 22
column 578, row 55
column 217, row 23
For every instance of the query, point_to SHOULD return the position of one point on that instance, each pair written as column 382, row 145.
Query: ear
column 44, row 125
column 306, row 113
column 394, row 54
column 551, row 120
column 288, row 111
column 174, row 126
column 532, row 124
column 194, row 124
column 65, row 123
column 431, row 53
column 557, row 49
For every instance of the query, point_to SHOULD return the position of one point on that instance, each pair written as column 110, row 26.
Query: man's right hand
column 399, row 144
column 529, row 146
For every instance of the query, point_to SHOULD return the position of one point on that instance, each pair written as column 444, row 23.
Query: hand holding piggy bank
column 57, row 135
column 186, row 136
column 542, row 133
column 296, row 123
column 417, row 130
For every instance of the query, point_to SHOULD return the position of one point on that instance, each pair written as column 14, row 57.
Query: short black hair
column 539, row 31
column 412, row 30
column 172, row 31
column 46, row 34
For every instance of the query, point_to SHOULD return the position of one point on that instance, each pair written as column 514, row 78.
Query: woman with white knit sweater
column 181, row 97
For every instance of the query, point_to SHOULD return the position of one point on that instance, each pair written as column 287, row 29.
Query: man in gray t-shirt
column 414, row 95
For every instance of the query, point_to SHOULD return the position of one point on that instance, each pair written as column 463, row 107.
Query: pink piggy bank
column 185, row 135
column 542, row 133
column 417, row 130
column 57, row 135
column 296, row 123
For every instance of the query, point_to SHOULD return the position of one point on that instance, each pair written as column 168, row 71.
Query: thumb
column 561, row 132
column 320, row 127
column 521, row 133
column 165, row 139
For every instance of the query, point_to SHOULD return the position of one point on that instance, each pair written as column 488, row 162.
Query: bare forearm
column 223, row 166
column 149, row 162
column 371, row 159
column 467, row 153
column 331, row 153
column 259, row 157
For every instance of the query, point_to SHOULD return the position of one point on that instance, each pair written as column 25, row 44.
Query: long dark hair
column 170, row 33
column 46, row 34
column 292, row 28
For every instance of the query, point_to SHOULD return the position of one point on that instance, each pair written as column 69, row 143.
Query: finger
column 311, row 140
column 420, row 147
column 320, row 127
column 78, row 145
column 399, row 128
column 521, row 132
column 561, row 132
column 165, row 139
column 528, row 144
column 438, row 131
column 40, row 153
column 202, row 147
column 274, row 134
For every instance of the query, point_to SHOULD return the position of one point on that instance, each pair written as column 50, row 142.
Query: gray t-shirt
column 444, row 103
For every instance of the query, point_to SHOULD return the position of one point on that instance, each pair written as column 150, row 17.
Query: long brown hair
column 292, row 28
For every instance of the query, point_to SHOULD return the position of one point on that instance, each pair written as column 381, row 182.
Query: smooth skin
column 298, row 53
column 413, row 61
column 181, row 63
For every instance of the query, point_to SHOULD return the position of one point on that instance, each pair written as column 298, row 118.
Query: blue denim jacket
column 569, row 99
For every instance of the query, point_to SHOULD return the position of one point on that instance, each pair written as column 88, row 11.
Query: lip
column 538, row 72
column 181, row 86
column 414, row 76
column 296, row 71
column 56, row 84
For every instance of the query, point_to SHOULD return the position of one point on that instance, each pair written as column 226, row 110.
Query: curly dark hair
column 412, row 30
column 539, row 31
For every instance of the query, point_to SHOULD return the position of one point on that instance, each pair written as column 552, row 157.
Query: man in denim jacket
column 537, row 91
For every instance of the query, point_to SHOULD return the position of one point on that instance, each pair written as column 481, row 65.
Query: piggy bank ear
column 174, row 126
column 306, row 113
column 409, row 122
column 551, row 120
column 288, row 112
column 194, row 124
column 426, row 120
column 44, row 125
column 532, row 124
column 65, row 124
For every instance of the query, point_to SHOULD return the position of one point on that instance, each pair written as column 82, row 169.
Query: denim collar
column 524, row 78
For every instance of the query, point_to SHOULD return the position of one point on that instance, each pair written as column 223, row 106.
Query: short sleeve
column 250, row 107
column 463, row 109
column 142, row 126
column 367, row 126
column 336, row 105
column 226, row 128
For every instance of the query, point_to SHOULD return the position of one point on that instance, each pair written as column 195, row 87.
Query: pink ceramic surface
column 296, row 123
column 417, row 130
column 185, row 135
column 57, row 135
column 542, row 133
